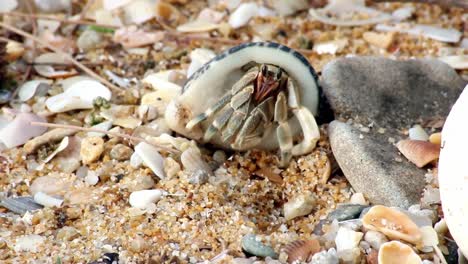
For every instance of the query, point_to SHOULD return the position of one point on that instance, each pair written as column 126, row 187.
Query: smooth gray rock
column 382, row 97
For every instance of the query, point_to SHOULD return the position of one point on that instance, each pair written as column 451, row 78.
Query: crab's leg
column 236, row 88
column 310, row 130
column 235, row 122
column 222, row 119
column 283, row 131
column 250, row 134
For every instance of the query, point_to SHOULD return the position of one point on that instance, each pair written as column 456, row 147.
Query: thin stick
column 58, row 51
column 446, row 3
column 89, row 129
column 63, row 20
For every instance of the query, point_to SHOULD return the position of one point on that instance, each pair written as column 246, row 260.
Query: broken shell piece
column 139, row 11
column 392, row 223
column 63, row 145
column 299, row 206
column 378, row 39
column 47, row 200
column 430, row 238
column 20, row 130
column 8, row 5
column 151, row 158
column 145, row 198
column 20, row 205
column 289, row 7
column 395, row 252
column 29, row 243
column 449, row 35
column 30, row 88
column 197, row 26
column 347, row 239
column 301, row 250
column 80, row 95
column 242, row 15
column 459, row 62
column 418, row 133
column 48, row 70
column 419, row 152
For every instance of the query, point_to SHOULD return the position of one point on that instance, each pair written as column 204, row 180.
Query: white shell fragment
column 48, row 71
column 193, row 162
column 458, row 62
column 403, row 13
column 160, row 80
column 418, row 133
column 47, row 200
column 347, row 239
column 449, row 35
column 80, row 95
column 19, row 131
column 144, row 198
column 395, row 252
column 242, row 15
column 199, row 57
column 114, row 4
column 453, row 170
column 139, row 11
column 289, row 7
column 62, row 146
column 151, row 158
column 330, row 47
column 8, row 5
column 197, row 26
column 299, row 206
column 30, row 88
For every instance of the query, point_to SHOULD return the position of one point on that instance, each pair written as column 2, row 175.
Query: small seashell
column 395, row 252
column 301, row 250
column 80, row 95
column 29, row 243
column 242, row 15
column 252, row 245
column 167, row 12
column 192, row 161
column 49, row 71
column 392, row 223
column 418, row 133
column 419, row 152
column 91, row 178
column 47, row 200
column 211, row 15
column 20, row 205
column 30, row 88
column 151, row 158
column 144, row 198
column 91, row 149
column 19, row 130
column 330, row 47
column 299, row 206
column 436, row 138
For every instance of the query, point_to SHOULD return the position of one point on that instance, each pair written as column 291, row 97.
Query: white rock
column 19, row 130
column 29, row 243
column 299, row 206
column 418, row 133
column 199, row 57
column 430, row 196
column 80, row 95
column 242, row 15
column 347, row 239
column 144, row 198
column 91, row 178
column 330, row 47
column 151, row 158
column 289, row 7
column 135, row 160
column 47, row 200
column 105, row 126
column 358, row 198
column 453, row 170
column 403, row 13
column 375, row 239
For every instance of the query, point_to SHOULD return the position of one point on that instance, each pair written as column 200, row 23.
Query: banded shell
column 419, row 152
column 301, row 250
column 395, row 252
column 392, row 223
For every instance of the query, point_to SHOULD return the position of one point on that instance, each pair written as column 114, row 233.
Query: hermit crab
column 259, row 95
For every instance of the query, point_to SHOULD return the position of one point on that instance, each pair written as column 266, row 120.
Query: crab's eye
column 264, row 70
column 279, row 74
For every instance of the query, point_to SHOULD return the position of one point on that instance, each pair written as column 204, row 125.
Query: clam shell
column 395, row 252
column 419, row 152
column 392, row 223
column 301, row 250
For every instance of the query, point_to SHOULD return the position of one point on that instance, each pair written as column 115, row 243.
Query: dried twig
column 65, row 55
column 446, row 3
column 115, row 134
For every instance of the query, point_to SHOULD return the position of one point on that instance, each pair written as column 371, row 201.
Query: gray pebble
column 252, row 246
column 346, row 212
column 121, row 152
column 20, row 205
